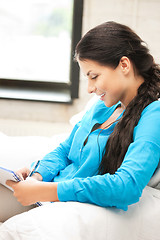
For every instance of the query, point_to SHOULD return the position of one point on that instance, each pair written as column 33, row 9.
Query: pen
column 30, row 174
column 34, row 168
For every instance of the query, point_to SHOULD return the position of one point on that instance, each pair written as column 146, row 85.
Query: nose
column 91, row 87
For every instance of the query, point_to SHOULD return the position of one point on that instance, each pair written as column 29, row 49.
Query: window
column 37, row 42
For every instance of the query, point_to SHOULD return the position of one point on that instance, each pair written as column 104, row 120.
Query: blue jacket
column 75, row 165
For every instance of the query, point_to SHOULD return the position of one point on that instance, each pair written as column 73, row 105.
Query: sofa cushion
column 20, row 151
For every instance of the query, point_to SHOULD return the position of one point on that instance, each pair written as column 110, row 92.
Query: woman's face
column 108, row 83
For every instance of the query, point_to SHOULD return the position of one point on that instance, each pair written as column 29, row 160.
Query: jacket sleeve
column 126, row 185
column 56, row 160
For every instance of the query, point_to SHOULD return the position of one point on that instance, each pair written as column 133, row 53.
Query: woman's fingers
column 23, row 173
column 10, row 183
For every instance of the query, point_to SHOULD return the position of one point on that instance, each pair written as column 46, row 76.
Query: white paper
column 7, row 174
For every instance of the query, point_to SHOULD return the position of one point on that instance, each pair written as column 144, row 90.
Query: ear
column 125, row 65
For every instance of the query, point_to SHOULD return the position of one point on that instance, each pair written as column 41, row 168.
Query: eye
column 94, row 77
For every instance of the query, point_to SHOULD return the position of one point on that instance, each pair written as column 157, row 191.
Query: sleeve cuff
column 47, row 176
column 65, row 191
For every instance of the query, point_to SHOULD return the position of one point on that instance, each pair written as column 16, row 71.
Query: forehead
column 90, row 65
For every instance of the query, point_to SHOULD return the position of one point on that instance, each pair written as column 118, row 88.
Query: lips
column 102, row 96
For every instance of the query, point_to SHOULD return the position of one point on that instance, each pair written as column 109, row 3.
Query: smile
column 102, row 96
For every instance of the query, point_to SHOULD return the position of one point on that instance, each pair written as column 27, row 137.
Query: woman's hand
column 31, row 191
column 24, row 172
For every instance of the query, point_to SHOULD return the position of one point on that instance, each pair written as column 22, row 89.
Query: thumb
column 11, row 183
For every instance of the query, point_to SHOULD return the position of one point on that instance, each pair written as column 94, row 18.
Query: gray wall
column 141, row 15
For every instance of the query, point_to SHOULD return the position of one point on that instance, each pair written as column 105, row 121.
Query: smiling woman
column 110, row 155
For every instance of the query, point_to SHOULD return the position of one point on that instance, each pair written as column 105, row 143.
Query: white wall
column 141, row 15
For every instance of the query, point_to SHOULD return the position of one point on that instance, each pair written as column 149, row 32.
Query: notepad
column 7, row 174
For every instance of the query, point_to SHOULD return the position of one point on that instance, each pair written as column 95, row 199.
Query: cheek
column 111, row 82
column 117, row 85
column 116, row 89
column 112, row 88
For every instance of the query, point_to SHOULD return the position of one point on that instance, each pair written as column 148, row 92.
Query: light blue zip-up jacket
column 75, row 165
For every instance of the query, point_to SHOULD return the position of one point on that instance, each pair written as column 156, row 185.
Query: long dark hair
column 107, row 44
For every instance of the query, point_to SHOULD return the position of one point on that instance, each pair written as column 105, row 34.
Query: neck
column 132, row 90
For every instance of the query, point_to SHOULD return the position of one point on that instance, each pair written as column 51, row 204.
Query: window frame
column 49, row 91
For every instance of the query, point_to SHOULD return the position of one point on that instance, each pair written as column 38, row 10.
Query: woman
column 113, row 152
